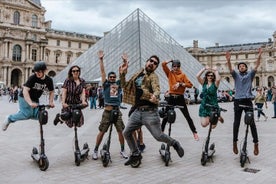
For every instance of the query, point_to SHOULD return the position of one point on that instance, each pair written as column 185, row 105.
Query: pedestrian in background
column 273, row 99
column 260, row 101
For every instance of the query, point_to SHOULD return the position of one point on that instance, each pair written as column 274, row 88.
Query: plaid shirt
column 150, row 85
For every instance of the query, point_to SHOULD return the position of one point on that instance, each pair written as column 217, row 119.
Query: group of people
column 142, row 92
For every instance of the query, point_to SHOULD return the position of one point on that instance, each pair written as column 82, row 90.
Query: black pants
column 237, row 119
column 179, row 100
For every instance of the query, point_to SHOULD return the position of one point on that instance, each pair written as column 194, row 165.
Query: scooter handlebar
column 77, row 106
column 215, row 107
column 250, row 108
column 165, row 104
column 44, row 106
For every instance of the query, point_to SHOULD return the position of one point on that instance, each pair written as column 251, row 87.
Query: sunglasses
column 154, row 62
column 112, row 77
column 178, row 66
column 210, row 75
column 75, row 71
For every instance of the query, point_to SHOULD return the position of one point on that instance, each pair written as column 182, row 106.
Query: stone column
column 8, row 76
column 5, row 75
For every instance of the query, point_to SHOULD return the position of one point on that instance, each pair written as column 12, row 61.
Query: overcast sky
column 208, row 21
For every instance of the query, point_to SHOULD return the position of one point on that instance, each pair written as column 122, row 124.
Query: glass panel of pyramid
column 139, row 37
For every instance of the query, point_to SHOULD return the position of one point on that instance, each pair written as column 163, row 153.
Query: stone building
column 25, row 37
column 248, row 53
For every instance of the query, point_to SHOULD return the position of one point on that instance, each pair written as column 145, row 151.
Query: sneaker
column 266, row 118
column 256, row 149
column 57, row 120
column 235, row 148
column 257, row 120
column 123, row 154
column 180, row 151
column 95, row 155
column 196, row 137
column 133, row 158
column 6, row 124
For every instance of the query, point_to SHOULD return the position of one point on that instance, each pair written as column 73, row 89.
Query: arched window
column 16, row 54
column 34, row 21
column 16, row 18
column 270, row 81
column 227, row 79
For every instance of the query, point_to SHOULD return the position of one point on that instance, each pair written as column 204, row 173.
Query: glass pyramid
column 139, row 37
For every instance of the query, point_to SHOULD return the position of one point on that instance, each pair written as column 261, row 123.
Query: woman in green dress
column 210, row 83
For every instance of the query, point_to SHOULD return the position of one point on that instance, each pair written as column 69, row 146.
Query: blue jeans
column 151, row 120
column 93, row 101
column 260, row 112
column 25, row 112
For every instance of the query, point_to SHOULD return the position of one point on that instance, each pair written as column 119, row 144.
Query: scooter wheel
column 167, row 158
column 136, row 164
column 77, row 159
column 105, row 160
column 242, row 160
column 35, row 151
column 204, row 158
column 163, row 147
column 85, row 146
column 43, row 164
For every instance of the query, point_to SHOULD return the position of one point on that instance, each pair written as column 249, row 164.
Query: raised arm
column 198, row 75
column 258, row 62
column 101, row 56
column 123, row 70
column 218, row 78
column 228, row 58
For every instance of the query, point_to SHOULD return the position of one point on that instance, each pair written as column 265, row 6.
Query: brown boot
column 256, row 149
column 235, row 148
column 221, row 119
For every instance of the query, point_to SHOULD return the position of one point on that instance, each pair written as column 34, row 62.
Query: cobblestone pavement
column 17, row 142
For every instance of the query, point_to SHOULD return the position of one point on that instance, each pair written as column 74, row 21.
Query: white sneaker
column 6, row 124
column 123, row 154
column 266, row 118
column 95, row 155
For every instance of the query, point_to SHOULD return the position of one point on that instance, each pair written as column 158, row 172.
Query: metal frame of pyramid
column 139, row 37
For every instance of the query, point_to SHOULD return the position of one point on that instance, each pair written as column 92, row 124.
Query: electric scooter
column 248, row 120
column 40, row 157
column 208, row 151
column 105, row 154
column 167, row 111
column 79, row 154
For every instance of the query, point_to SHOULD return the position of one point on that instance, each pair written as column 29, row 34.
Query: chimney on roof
column 216, row 44
column 195, row 43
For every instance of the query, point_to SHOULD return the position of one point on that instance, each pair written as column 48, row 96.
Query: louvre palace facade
column 248, row 53
column 26, row 37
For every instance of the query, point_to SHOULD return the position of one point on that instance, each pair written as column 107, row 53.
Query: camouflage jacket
column 150, row 85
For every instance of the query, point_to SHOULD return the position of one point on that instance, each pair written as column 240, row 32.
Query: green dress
column 209, row 97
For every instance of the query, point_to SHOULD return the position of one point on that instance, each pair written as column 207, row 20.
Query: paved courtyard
column 17, row 142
